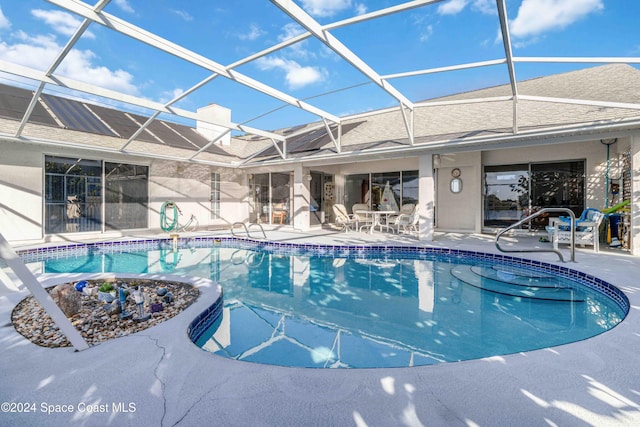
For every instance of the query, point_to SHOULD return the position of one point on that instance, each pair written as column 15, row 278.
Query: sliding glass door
column 513, row 192
column 506, row 197
column 126, row 189
column 77, row 192
column 271, row 198
column 73, row 195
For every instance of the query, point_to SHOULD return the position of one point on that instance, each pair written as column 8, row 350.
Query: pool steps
column 514, row 285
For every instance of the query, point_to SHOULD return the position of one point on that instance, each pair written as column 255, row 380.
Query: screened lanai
column 243, row 79
column 207, row 101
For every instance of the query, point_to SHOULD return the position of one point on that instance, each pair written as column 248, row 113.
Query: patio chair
column 408, row 223
column 279, row 213
column 364, row 219
column 586, row 233
column 406, row 209
column 343, row 219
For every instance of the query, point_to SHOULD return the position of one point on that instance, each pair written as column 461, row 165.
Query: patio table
column 376, row 217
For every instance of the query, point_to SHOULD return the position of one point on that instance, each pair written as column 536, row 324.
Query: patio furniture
column 407, row 223
column 362, row 214
column 343, row 219
column 406, row 209
column 377, row 221
column 279, row 213
column 586, row 229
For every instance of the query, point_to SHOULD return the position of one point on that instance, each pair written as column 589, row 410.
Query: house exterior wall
column 593, row 152
column 459, row 211
column 189, row 185
column 462, row 212
column 22, row 181
column 635, row 194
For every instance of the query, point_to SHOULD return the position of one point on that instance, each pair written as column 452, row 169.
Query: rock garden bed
column 96, row 320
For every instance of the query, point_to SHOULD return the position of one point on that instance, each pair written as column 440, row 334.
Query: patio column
column 301, row 197
column 635, row 195
column 426, row 197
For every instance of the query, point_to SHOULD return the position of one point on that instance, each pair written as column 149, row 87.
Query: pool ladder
column 246, row 229
column 572, row 241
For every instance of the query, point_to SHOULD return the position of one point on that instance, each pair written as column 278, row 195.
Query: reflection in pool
column 353, row 309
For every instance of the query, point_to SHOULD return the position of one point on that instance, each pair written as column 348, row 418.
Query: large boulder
column 67, row 298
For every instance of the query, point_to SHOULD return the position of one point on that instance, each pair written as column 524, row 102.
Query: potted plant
column 106, row 292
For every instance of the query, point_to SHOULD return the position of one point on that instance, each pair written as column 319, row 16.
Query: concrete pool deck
column 158, row 377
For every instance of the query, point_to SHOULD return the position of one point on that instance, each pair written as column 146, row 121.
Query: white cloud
column 537, row 16
column 61, row 22
column 325, row 7
column 299, row 49
column 290, row 30
column 297, row 76
column 182, row 14
column 426, row 33
column 361, row 8
column 39, row 52
column 488, row 7
column 124, row 5
column 253, row 33
column 170, row 95
column 5, row 24
column 452, row 7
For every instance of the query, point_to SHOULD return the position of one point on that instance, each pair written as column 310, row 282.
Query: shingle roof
column 433, row 121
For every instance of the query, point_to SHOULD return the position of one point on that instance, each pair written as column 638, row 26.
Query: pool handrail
column 572, row 240
column 246, row 229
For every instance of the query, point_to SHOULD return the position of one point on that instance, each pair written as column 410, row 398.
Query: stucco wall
column 463, row 211
column 20, row 192
column 593, row 152
column 189, row 185
column 459, row 211
column 22, row 177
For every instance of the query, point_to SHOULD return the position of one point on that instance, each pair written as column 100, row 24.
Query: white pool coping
column 169, row 381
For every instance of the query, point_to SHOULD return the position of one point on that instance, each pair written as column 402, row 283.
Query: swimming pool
column 374, row 306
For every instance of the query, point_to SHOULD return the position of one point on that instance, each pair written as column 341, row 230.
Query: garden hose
column 167, row 224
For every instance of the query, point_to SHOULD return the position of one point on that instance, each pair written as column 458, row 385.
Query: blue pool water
column 355, row 308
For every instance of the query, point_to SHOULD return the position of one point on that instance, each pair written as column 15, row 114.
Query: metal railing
column 246, row 229
column 572, row 241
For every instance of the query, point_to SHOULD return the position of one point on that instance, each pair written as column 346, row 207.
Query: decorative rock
column 67, row 298
column 168, row 298
column 93, row 322
column 161, row 292
column 114, row 307
column 154, row 308
column 89, row 290
column 107, row 297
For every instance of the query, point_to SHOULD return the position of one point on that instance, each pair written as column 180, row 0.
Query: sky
column 446, row 33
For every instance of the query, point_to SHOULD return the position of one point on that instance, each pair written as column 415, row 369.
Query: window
column 271, row 198
column 513, row 192
column 506, row 194
column 75, row 200
column 389, row 190
column 321, row 191
column 215, row 195
column 126, row 190
column 385, row 191
column 73, row 195
column 410, row 187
